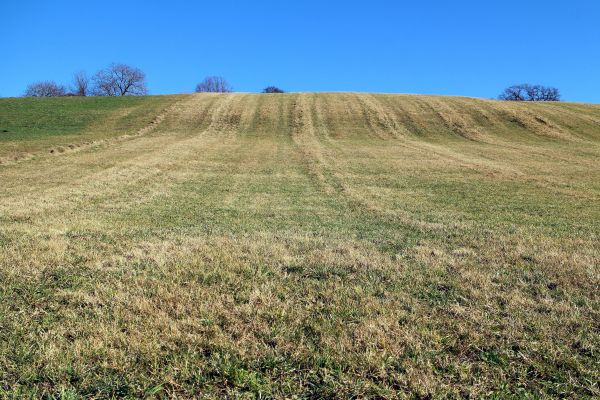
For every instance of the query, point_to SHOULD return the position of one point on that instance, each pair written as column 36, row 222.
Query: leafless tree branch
column 81, row 84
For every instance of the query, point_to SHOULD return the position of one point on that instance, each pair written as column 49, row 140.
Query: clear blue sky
column 471, row 48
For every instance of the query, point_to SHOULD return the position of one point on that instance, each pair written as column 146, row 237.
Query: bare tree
column 514, row 93
column 45, row 89
column 549, row 94
column 273, row 89
column 120, row 80
column 532, row 92
column 527, row 92
column 214, row 84
column 81, row 84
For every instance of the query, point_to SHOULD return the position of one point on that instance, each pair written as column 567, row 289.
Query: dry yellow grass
column 310, row 246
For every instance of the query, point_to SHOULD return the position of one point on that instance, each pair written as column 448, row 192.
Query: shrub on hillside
column 45, row 89
column 273, row 89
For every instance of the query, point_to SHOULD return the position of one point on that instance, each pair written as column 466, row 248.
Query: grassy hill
column 32, row 125
column 309, row 245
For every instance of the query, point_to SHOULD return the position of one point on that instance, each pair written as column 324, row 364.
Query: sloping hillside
column 318, row 245
column 32, row 125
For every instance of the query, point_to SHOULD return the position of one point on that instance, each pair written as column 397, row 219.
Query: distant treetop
column 527, row 92
column 120, row 80
column 214, row 84
column 273, row 89
column 116, row 80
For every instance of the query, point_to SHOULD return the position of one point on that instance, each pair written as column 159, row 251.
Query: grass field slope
column 299, row 246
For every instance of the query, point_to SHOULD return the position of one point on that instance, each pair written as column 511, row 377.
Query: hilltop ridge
column 31, row 127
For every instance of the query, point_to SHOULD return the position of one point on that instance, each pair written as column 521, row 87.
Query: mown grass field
column 299, row 246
